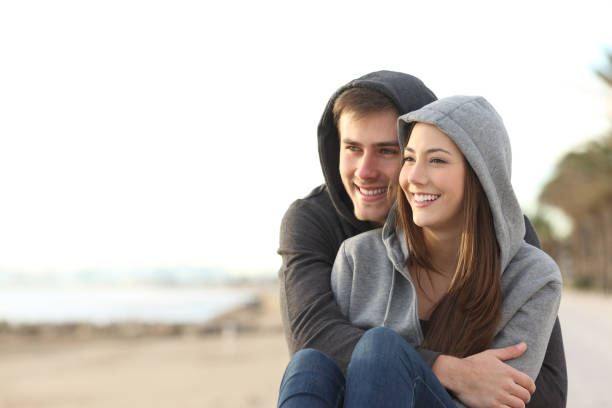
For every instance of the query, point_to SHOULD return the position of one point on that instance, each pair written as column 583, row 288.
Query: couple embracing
column 411, row 277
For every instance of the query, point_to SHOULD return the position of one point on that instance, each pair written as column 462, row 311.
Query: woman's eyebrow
column 432, row 150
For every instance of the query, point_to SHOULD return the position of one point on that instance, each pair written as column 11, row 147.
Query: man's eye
column 352, row 148
column 389, row 151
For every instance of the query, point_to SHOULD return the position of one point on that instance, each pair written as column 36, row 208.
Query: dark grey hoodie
column 374, row 288
column 314, row 227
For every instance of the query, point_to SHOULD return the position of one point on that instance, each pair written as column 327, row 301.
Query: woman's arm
column 532, row 293
column 551, row 382
column 485, row 379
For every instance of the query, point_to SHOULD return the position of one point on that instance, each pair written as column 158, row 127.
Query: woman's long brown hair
column 464, row 320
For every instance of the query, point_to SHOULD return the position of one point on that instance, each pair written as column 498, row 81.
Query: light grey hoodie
column 373, row 287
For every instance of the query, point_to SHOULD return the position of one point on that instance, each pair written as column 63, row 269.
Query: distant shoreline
column 247, row 316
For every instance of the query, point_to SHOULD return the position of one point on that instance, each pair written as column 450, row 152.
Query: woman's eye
column 408, row 159
column 438, row 161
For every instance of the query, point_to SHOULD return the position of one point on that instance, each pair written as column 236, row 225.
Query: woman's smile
column 422, row 200
column 433, row 178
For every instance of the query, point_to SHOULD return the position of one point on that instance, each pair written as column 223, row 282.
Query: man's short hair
column 361, row 102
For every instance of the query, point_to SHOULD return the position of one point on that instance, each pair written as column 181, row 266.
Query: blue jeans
column 384, row 371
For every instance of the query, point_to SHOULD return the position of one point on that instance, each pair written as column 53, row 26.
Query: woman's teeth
column 425, row 197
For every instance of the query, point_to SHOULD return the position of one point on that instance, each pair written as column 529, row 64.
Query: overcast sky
column 169, row 133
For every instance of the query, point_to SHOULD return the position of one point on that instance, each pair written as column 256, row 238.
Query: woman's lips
column 422, row 200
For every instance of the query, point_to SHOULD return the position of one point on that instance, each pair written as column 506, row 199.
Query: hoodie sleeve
column 311, row 317
column 532, row 295
column 551, row 383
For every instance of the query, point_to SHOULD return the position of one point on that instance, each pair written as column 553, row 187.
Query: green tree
column 582, row 188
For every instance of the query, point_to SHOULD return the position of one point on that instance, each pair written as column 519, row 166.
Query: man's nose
column 368, row 167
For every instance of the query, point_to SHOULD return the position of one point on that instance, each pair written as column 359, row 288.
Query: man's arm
column 311, row 317
column 551, row 383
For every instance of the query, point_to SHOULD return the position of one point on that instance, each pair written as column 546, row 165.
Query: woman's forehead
column 425, row 136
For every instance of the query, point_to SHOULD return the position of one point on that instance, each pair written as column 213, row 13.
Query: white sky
column 163, row 133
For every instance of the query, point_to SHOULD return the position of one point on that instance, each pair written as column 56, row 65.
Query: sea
column 166, row 296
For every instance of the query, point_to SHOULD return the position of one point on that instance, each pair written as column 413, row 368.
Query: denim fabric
column 311, row 380
column 385, row 371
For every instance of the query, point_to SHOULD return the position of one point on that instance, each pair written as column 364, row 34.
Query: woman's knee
column 380, row 340
column 382, row 347
column 311, row 360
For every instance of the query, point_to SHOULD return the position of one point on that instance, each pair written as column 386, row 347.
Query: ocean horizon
column 103, row 305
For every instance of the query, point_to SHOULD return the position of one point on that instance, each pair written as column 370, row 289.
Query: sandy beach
column 234, row 367
column 240, row 365
column 586, row 321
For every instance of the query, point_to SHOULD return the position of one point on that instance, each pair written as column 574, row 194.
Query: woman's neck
column 443, row 247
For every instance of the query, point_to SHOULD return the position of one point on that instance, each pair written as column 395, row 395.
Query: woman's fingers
column 524, row 381
column 514, row 402
column 510, row 352
column 521, row 393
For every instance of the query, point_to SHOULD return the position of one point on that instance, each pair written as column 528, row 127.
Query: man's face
column 369, row 162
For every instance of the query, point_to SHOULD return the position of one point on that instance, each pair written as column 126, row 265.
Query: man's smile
column 371, row 193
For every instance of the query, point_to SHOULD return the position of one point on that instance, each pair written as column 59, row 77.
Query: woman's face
column 433, row 178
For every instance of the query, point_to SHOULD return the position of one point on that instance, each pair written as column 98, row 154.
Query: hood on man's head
column 407, row 94
column 479, row 132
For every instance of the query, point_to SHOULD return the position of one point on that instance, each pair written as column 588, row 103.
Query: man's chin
column 377, row 217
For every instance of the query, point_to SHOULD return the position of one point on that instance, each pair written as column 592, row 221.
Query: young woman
column 449, row 271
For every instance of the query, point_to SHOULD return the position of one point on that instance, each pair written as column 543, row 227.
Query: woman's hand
column 483, row 380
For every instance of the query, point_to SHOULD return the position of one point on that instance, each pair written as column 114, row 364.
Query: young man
column 359, row 156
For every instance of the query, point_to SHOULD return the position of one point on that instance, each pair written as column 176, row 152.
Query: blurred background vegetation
column 581, row 187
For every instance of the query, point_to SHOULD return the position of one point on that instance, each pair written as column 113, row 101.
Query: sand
column 236, row 368
column 586, row 321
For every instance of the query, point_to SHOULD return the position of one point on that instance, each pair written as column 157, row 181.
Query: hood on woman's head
column 479, row 132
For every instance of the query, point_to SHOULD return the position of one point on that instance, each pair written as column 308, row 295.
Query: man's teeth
column 373, row 192
column 425, row 197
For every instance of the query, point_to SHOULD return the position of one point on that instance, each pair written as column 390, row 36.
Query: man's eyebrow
column 381, row 144
column 432, row 150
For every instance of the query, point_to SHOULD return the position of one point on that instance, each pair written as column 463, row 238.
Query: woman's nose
column 417, row 173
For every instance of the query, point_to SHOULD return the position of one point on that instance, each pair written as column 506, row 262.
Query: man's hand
column 483, row 380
